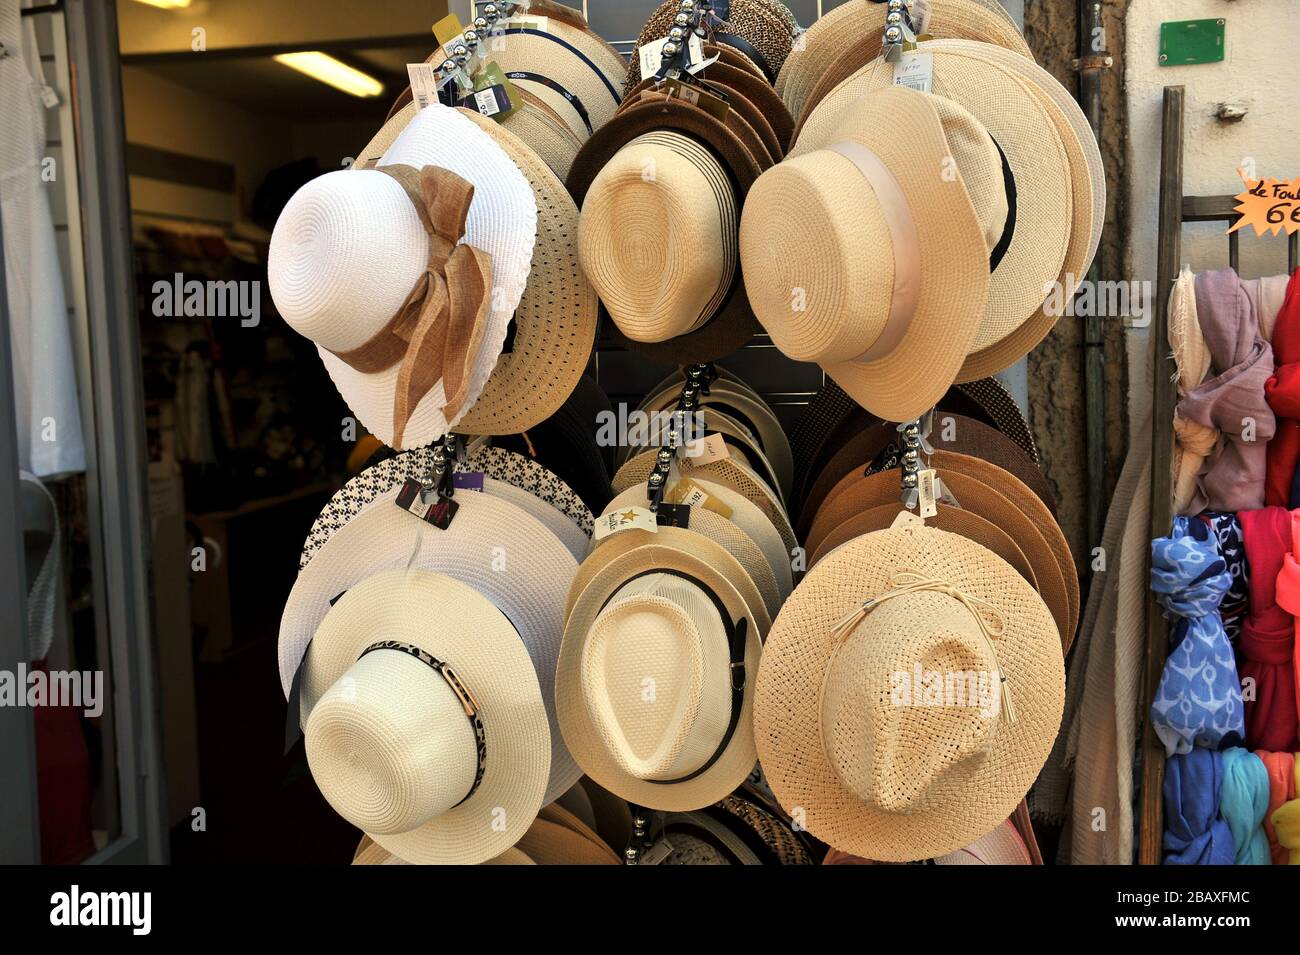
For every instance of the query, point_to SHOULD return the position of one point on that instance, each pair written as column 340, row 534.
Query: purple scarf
column 1232, row 400
column 1195, row 832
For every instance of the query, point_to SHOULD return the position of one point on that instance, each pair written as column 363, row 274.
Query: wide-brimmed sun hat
column 873, row 768
column 911, row 184
column 406, row 275
column 432, row 740
column 654, row 681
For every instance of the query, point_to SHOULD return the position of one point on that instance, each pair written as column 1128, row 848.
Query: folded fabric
column 1195, row 831
column 1192, row 441
column 1282, row 392
column 1286, row 823
column 1281, row 769
column 1198, row 702
column 1232, row 477
column 1267, row 641
column 1243, row 803
column 1232, row 548
column 1267, row 294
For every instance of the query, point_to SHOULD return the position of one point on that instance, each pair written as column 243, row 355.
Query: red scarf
column 1267, row 641
column 1282, row 391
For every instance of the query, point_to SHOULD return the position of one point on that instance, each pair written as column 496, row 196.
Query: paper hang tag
column 448, row 31
column 657, row 853
column 707, row 450
column 439, row 513
column 907, row 519
column 492, row 102
column 697, row 95
column 540, row 24
column 624, row 519
column 505, row 97
column 689, row 493
column 695, row 68
column 915, row 70
column 424, row 83
column 468, row 481
column 49, row 97
column 945, row 496
column 925, row 481
column 673, row 515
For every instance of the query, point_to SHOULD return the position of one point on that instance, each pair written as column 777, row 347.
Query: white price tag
column 486, row 102
column 707, row 450
column 915, row 70
column 650, row 55
column 925, row 481
column 424, row 83
column 906, row 518
column 628, row 518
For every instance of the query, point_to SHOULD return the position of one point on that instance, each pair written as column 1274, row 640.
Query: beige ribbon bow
column 438, row 330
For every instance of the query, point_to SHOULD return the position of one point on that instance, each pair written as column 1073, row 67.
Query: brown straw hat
column 901, row 171
column 741, row 103
column 873, row 768
column 861, row 23
column 1028, row 256
column 675, row 608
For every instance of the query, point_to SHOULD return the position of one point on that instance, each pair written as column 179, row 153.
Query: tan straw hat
column 911, row 184
column 361, row 262
column 654, row 682
column 1028, row 255
column 880, row 769
column 371, row 853
column 555, row 321
column 432, row 740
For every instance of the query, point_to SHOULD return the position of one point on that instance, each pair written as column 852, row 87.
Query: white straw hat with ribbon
column 406, row 275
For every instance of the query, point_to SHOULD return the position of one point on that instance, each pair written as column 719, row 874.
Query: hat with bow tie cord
column 909, row 693
column 406, row 275
column 431, row 739
column 654, row 684
column 870, row 255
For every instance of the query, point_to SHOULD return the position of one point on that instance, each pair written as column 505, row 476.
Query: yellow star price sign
column 1270, row 205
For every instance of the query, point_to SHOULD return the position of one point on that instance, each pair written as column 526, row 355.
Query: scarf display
column 1232, row 548
column 1286, row 825
column 1198, row 702
column 1243, row 803
column 1232, row 477
column 1281, row 769
column 1195, row 831
column 1267, row 641
column 1282, row 391
column 1192, row 441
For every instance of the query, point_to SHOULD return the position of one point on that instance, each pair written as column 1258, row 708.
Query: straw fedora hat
column 720, row 529
column 652, row 683
column 737, row 152
column 349, row 268
column 730, row 472
column 861, row 23
column 497, row 548
column 905, row 171
column 555, row 321
column 1032, row 246
column 756, row 29
column 875, row 771
column 537, row 490
column 424, row 737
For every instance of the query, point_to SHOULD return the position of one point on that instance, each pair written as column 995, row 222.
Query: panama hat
column 878, row 774
column 861, row 24
column 676, row 608
column 350, row 264
column 752, row 27
column 739, row 153
column 991, row 492
column 492, row 545
column 729, row 471
column 424, row 737
column 901, row 171
column 1039, row 188
column 526, row 476
column 720, row 529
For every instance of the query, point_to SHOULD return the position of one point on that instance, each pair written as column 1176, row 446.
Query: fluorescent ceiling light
column 167, row 4
column 323, row 67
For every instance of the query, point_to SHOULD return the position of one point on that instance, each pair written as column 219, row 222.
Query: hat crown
column 390, row 745
column 655, row 677
column 909, row 696
column 975, row 156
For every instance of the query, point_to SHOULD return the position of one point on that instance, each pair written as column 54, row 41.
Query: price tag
column 707, row 450
column 504, row 99
column 540, row 24
column 715, row 106
column 915, row 70
column 1270, row 205
column 906, row 518
column 448, row 32
column 439, row 514
column 689, row 493
column 424, row 83
column 628, row 518
column 49, row 97
column 467, row 480
column 925, row 481
column 650, row 55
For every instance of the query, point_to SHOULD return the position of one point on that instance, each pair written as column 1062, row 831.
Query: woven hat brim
column 787, row 721
column 484, row 531
column 617, row 559
column 545, row 133
column 489, row 657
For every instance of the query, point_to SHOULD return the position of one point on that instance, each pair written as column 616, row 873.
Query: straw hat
column 673, row 612
column 754, row 28
column 740, row 154
column 861, row 24
column 433, row 740
column 508, row 556
column 730, row 472
column 722, row 530
column 1002, row 846
column 1032, row 247
column 901, row 170
column 350, row 254
column 371, row 853
column 880, row 774
column 538, row 491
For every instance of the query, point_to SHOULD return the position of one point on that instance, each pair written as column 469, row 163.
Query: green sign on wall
column 1184, row 42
